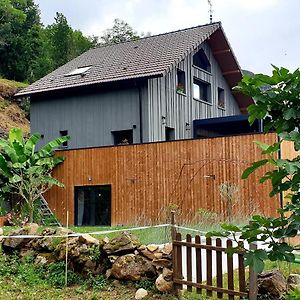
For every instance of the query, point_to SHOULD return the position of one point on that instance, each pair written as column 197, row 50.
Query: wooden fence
column 146, row 179
column 203, row 255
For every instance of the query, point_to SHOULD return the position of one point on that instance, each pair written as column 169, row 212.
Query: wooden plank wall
column 147, row 178
column 288, row 152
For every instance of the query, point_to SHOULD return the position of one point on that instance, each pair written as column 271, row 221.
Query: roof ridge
column 159, row 34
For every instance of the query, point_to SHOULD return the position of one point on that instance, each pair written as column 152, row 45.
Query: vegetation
column 119, row 33
column 29, row 50
column 278, row 104
column 26, row 171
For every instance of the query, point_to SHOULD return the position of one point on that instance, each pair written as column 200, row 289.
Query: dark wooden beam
column 231, row 72
column 221, row 51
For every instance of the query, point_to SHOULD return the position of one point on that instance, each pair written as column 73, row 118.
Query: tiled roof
column 150, row 56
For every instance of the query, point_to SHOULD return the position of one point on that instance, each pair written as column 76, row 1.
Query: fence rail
column 202, row 263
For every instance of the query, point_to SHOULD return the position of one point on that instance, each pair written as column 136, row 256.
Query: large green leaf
column 252, row 168
column 52, row 181
column 48, row 149
column 16, row 134
column 9, row 150
column 4, row 167
column 31, row 143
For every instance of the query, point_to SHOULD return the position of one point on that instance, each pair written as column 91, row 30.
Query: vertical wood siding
column 180, row 109
column 147, row 178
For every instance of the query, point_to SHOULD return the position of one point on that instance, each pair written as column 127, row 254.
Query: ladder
column 47, row 216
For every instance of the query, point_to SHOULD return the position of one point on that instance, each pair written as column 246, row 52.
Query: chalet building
column 148, row 90
column 172, row 86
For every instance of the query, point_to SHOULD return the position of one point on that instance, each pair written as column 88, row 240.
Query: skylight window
column 78, row 71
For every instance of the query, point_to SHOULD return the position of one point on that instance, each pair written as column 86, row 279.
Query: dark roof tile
column 150, row 56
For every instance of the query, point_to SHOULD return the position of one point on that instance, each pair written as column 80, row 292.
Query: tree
column 277, row 102
column 25, row 171
column 20, row 43
column 120, row 32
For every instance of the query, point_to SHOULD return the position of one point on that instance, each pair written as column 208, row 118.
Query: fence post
column 173, row 229
column 252, row 279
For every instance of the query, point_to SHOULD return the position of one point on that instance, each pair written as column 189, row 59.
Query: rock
column 167, row 274
column 158, row 255
column 106, row 240
column 32, row 228
column 63, row 231
column 167, row 249
column 124, row 243
column 112, row 258
column 140, row 294
column 148, row 254
column 84, row 254
column 293, row 282
column 16, row 243
column 108, row 273
column 162, row 263
column 44, row 259
column 152, row 247
column 163, row 285
column 41, row 244
column 132, row 267
column 272, row 283
column 88, row 240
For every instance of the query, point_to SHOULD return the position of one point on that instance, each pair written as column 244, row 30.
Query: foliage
column 277, row 102
column 29, row 50
column 146, row 284
column 26, row 171
column 293, row 295
column 119, row 33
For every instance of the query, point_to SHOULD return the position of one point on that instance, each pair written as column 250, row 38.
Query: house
column 172, row 86
column 141, row 91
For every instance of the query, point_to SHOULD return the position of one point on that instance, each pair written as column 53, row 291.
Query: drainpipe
column 141, row 114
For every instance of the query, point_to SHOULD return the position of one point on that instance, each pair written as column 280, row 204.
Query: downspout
column 141, row 114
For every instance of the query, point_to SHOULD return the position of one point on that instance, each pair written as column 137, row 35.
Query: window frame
column 116, row 132
column 202, row 84
column 62, row 133
column 202, row 55
column 180, row 82
column 221, row 91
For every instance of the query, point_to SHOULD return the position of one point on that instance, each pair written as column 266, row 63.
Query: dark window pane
column 200, row 60
column 123, row 137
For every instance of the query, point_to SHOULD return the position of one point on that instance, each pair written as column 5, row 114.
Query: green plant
column 293, row 295
column 97, row 282
column 146, row 284
column 26, row 171
column 277, row 102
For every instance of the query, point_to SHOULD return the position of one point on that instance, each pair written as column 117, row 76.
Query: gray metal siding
column 89, row 119
column 180, row 110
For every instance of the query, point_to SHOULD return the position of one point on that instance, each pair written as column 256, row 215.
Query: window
column 201, row 61
column 201, row 91
column 64, row 133
column 221, row 98
column 93, row 205
column 170, row 134
column 78, row 71
column 123, row 137
column 180, row 87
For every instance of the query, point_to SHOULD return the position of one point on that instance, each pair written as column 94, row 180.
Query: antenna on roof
column 210, row 11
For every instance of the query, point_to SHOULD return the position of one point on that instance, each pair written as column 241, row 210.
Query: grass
column 13, row 84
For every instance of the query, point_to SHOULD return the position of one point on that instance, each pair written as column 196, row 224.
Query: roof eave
column 229, row 65
column 23, row 93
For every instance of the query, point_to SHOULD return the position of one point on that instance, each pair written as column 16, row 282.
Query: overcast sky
column 261, row 32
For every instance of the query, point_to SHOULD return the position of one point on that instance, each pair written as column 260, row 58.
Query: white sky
column 261, row 32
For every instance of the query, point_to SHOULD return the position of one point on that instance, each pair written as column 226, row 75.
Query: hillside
column 11, row 114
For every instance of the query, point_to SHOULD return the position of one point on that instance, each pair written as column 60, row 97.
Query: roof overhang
column 229, row 65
